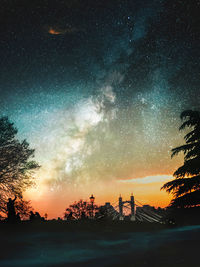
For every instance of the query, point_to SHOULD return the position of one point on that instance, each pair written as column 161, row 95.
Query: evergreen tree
column 186, row 185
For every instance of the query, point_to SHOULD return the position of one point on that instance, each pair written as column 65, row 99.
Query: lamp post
column 92, row 198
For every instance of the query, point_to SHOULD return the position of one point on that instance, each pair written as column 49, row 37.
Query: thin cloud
column 148, row 179
column 54, row 30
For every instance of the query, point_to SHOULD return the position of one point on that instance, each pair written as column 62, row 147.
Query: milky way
column 64, row 84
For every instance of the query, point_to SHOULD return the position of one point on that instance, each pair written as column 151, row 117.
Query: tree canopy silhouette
column 186, row 185
column 16, row 164
column 80, row 210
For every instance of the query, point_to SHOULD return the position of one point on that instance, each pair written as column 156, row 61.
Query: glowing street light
column 92, row 198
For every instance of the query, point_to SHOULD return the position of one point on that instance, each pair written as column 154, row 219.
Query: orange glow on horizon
column 146, row 190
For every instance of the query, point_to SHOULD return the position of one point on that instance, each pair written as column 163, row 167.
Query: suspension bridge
column 133, row 210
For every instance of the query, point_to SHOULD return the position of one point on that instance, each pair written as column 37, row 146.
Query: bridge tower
column 121, row 217
column 132, row 203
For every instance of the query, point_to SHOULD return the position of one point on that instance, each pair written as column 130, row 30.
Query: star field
column 90, row 85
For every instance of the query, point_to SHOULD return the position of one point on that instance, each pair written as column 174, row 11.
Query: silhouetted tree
column 16, row 168
column 186, row 185
column 23, row 208
column 80, row 210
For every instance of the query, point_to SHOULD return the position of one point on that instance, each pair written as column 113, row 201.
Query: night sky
column 97, row 88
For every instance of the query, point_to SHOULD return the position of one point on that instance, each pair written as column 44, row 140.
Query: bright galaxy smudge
column 64, row 89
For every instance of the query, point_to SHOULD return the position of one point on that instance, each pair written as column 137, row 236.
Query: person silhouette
column 32, row 216
column 11, row 210
column 37, row 216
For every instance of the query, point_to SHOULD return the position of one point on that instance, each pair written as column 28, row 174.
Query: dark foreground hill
column 51, row 244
